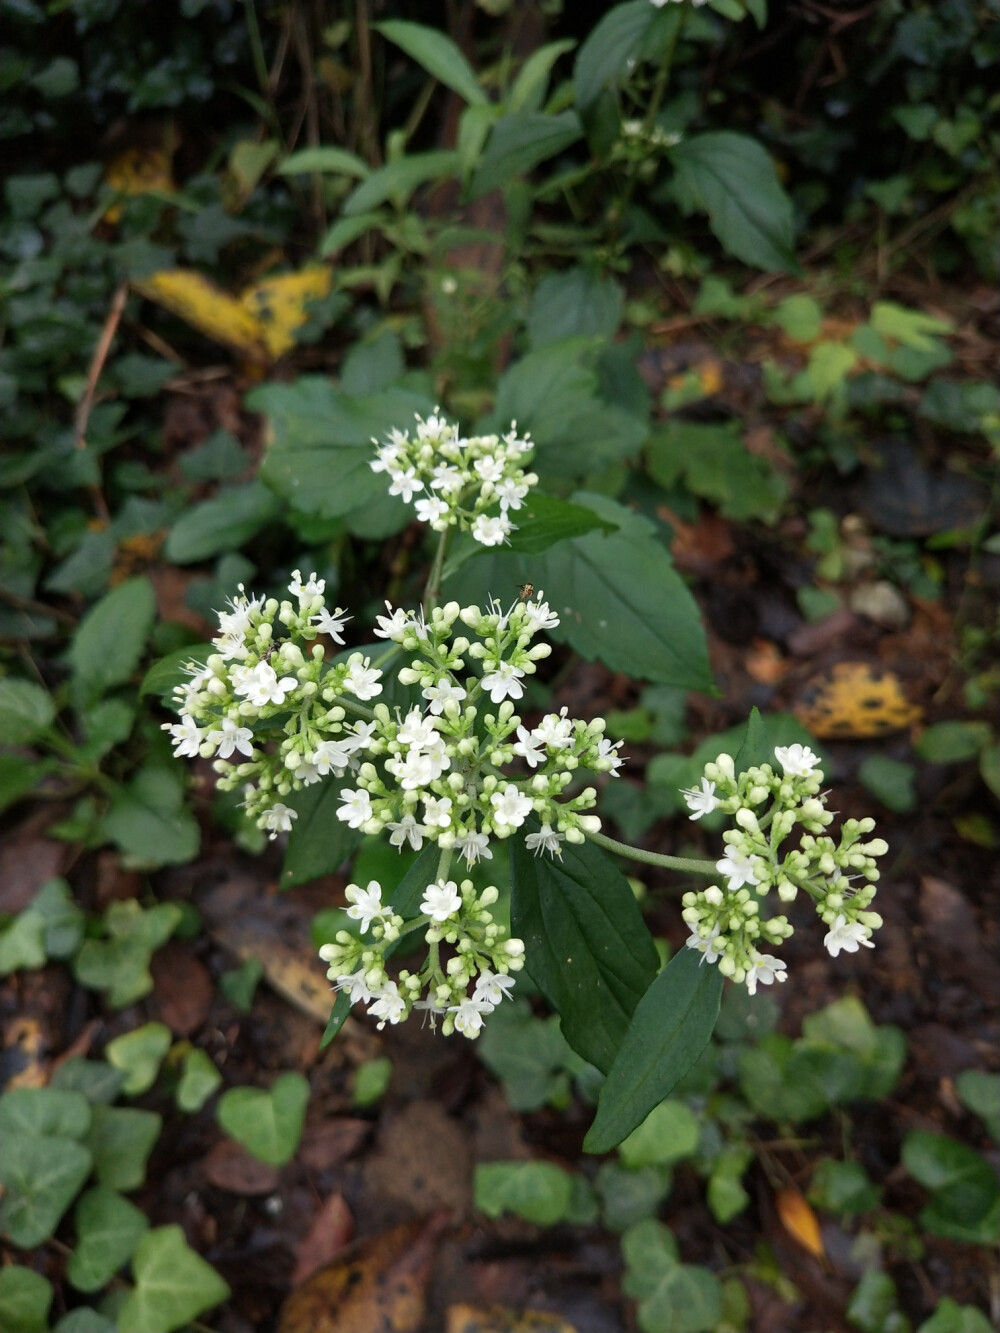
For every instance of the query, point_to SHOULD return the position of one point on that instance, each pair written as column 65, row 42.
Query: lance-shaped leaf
column 670, row 1028
column 586, row 945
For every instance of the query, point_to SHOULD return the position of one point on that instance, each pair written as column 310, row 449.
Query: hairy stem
column 697, row 867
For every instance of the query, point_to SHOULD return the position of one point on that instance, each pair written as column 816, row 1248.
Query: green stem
column 697, row 867
column 432, row 591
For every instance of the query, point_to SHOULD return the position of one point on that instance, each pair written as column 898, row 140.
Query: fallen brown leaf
column 183, row 988
column 800, row 1221
column 467, row 1319
column 332, row 1228
column 326, row 1144
column 230, row 1167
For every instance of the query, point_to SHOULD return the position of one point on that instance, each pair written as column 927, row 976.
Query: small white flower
column 388, row 1005
column 313, row 587
column 540, row 616
column 706, row 944
column 491, row 531
column 439, row 694
column 468, row 1018
column 848, row 936
column 437, row 811
column 331, row 623
column 356, row 809
column 701, row 802
column 386, row 457
column 510, row 807
column 738, row 869
column 231, row 737
column 355, row 985
column 366, row 904
column 231, row 644
column 492, row 988
column 545, row 840
column 306, row 772
column 798, row 761
column 405, row 484
column 431, row 508
column 510, row 493
column 332, row 757
column 261, row 685
column 441, row 900
column 489, row 468
column 393, row 625
column 765, row 970
column 359, row 737
column 608, row 750
column 555, row 730
column 278, row 819
column 504, row 682
column 406, row 830
column 529, row 747
column 361, row 678
column 186, row 736
column 473, row 846
column 417, row 731
column 447, row 479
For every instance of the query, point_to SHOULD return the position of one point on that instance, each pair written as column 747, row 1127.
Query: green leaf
column 109, row 1228
column 163, row 676
column 84, row 1320
column 110, row 639
column 574, row 303
column 912, row 328
column 96, row 1080
column 25, row 710
column 951, row 742
column 199, row 1079
column 543, row 520
column 22, row 943
column 120, row 964
column 950, row 1317
column 325, row 158
column 320, row 441
column 41, row 1176
column 64, row 920
column 25, row 1297
column 173, row 1284
column 733, row 179
column 842, row 1187
column 338, row 1016
column 628, row 1195
column 518, row 143
column 529, row 1055
column 44, row 1111
column 268, row 1122
column 586, row 945
column 224, row 523
column 139, row 1055
column 148, row 819
column 396, row 181
column 528, row 90
column 19, row 776
column 121, row 1139
column 673, row 1297
column 437, row 54
column 979, row 1092
column 371, row 1081
column 890, row 781
column 606, row 57
column 106, row 723
column 670, row 1028
column 989, row 767
column 540, row 1192
column 668, row 1134
column 965, row 1192
column 346, row 230
column 319, row 842
column 800, row 317
column 755, row 748
column 874, row 1306
column 715, row 464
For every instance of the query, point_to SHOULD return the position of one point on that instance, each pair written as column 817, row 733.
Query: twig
column 29, row 604
column 86, row 403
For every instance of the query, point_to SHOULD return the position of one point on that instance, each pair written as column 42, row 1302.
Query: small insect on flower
column 526, row 592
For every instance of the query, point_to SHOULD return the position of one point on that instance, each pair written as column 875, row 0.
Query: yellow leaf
column 138, row 171
column 853, row 699
column 279, row 304
column 800, row 1222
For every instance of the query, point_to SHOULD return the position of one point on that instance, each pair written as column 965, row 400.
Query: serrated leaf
column 108, row 1228
column 520, row 141
column 437, row 54
column 574, row 303
column 173, row 1284
column 586, row 945
column 267, row 1121
column 733, row 179
column 110, row 639
column 669, row 1030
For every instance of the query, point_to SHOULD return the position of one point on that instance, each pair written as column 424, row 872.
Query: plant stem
column 697, row 867
column 432, row 589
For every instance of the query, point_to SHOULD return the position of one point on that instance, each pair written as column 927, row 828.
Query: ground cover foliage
column 754, row 342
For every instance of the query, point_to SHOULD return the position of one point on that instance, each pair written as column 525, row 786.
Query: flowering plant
column 419, row 740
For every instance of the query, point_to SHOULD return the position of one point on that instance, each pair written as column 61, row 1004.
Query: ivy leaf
column 25, row 1297
column 199, row 1079
column 44, row 1112
column 109, row 1228
column 173, row 1284
column 670, row 1028
column 586, row 945
column 540, row 1192
column 121, row 1139
column 267, row 1121
column 41, row 1176
column 139, row 1055
column 673, row 1297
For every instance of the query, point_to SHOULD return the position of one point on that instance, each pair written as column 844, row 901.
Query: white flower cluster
column 473, row 484
column 450, row 913
column 726, row 922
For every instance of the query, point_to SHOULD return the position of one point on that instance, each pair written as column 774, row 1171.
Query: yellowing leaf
column 469, row 1319
column 279, row 304
column 857, row 700
column 259, row 324
column 800, row 1222
column 138, row 171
